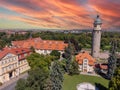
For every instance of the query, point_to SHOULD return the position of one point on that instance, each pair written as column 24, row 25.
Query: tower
column 96, row 37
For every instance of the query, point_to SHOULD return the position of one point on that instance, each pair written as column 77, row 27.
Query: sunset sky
column 58, row 14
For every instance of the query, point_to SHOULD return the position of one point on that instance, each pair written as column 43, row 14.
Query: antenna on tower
column 98, row 14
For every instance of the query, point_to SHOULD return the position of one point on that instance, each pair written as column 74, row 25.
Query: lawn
column 70, row 82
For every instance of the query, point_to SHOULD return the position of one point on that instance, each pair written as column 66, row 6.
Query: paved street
column 10, row 85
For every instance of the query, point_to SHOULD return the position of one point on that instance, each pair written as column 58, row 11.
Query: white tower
column 96, row 37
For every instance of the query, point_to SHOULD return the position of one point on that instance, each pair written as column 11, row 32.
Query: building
column 13, row 62
column 22, row 53
column 41, row 46
column 8, row 66
column 102, row 68
column 96, row 37
column 86, row 62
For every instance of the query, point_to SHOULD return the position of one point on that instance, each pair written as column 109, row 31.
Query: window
column 85, row 66
column 25, row 54
column 18, row 63
column 14, row 59
column 19, row 56
column 2, row 62
column 3, row 70
column 85, row 60
column 85, row 63
column 9, row 66
column 5, row 61
column 45, row 51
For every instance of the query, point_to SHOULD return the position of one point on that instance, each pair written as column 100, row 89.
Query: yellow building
column 13, row 62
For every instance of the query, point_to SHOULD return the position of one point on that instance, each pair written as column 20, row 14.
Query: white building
column 86, row 62
column 41, row 46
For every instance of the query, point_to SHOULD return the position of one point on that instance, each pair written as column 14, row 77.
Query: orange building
column 41, row 46
column 86, row 62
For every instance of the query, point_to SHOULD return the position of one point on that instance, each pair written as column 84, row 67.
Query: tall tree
column 48, row 85
column 35, row 81
column 37, row 78
column 112, row 59
column 68, row 55
column 76, row 45
column 114, row 84
column 73, row 70
column 56, row 76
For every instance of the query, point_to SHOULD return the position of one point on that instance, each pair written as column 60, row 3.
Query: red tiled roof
column 16, row 51
column 105, row 67
column 41, row 44
column 85, row 55
column 3, row 53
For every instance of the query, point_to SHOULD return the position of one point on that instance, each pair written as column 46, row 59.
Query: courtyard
column 70, row 82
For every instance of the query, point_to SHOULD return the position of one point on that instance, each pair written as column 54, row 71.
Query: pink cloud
column 64, row 13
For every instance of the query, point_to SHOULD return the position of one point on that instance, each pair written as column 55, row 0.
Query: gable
column 8, row 55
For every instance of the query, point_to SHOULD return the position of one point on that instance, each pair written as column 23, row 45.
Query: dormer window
column 22, row 50
column 19, row 56
column 85, row 60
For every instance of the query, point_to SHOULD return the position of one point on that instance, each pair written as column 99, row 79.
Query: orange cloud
column 109, row 11
column 64, row 14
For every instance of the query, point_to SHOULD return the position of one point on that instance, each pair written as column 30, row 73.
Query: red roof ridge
column 81, row 56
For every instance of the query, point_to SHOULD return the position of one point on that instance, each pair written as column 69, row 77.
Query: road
column 10, row 85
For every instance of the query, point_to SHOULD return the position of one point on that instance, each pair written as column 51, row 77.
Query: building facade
column 13, row 62
column 22, row 53
column 96, row 37
column 86, row 62
column 8, row 67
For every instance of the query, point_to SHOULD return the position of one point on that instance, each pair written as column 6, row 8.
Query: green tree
column 114, row 83
column 73, row 70
column 21, row 85
column 69, row 51
column 37, row 78
column 56, row 76
column 76, row 45
column 112, row 59
column 48, row 84
column 37, row 60
column 56, row 54
column 35, row 81
column 68, row 55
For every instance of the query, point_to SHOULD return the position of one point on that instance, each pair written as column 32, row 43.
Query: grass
column 70, row 82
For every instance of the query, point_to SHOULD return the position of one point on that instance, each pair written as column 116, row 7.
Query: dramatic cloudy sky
column 58, row 14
